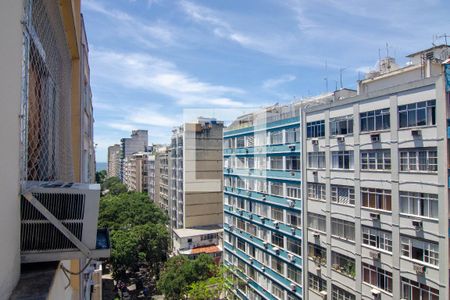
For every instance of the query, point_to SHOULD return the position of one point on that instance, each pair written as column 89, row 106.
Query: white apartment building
column 114, row 160
column 137, row 142
column 136, row 172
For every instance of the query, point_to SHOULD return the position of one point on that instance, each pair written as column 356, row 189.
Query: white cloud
column 274, row 82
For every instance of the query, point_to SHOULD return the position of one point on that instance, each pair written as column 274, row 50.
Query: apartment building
column 114, row 160
column 164, row 165
column 136, row 172
column 153, row 178
column 376, row 186
column 262, row 204
column 195, row 186
column 47, row 123
column 137, row 142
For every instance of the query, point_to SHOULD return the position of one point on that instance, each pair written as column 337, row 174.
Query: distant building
column 136, row 172
column 114, row 160
column 164, row 165
column 138, row 142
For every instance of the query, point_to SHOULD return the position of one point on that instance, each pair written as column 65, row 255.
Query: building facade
column 136, row 168
column 114, row 160
column 164, row 164
column 137, row 142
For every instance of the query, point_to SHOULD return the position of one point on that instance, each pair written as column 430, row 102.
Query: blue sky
column 154, row 60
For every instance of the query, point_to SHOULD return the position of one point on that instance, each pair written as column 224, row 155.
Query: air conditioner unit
column 315, row 141
column 292, row 147
column 323, row 294
column 416, row 132
column 276, row 224
column 246, row 150
column 417, row 224
column 266, row 244
column 375, row 293
column 263, row 219
column 59, row 222
column 251, row 260
column 263, row 198
column 276, row 250
column 251, row 217
column 314, row 173
column 290, row 256
column 340, row 139
column 375, row 137
column 318, row 269
column 375, row 255
column 316, row 235
column 374, row 216
column 291, row 203
column 263, row 269
column 419, row 269
column 241, row 212
column 293, row 287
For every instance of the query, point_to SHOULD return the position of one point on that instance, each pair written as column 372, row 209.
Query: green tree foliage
column 211, row 288
column 100, row 176
column 114, row 186
column 180, row 273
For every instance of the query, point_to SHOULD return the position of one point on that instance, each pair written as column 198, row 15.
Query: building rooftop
column 189, row 232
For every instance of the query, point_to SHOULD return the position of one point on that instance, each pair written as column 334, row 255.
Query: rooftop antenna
column 379, row 59
column 341, row 70
column 326, row 76
column 387, row 49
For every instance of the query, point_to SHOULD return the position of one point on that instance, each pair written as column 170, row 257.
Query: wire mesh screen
column 46, row 104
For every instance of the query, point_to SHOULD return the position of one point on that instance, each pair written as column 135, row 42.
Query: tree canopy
column 114, row 186
column 100, row 176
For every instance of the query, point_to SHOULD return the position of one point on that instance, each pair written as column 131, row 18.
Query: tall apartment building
column 153, row 178
column 137, row 142
column 47, row 123
column 114, row 160
column 136, row 172
column 164, row 164
column 372, row 190
column 262, row 204
column 195, row 203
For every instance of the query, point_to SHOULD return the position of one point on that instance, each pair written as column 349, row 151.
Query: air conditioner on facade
column 374, row 216
column 340, row 139
column 290, row 256
column 276, row 250
column 316, row 235
column 293, row 287
column 315, row 141
column 291, row 203
column 375, row 255
column 375, row 293
column 323, row 294
column 417, row 224
column 292, row 147
column 59, row 221
column 419, row 269
column 266, row 244
column 314, row 172
column 276, row 224
column 416, row 132
column 375, row 137
column 251, row 217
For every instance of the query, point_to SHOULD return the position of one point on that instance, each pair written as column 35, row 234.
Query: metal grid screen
column 46, row 136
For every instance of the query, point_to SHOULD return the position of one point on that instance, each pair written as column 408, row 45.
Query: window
column 250, row 162
column 251, row 250
column 261, row 209
column 343, row 264
column 417, row 114
column 293, row 190
column 276, row 162
column 418, row 160
column 277, row 214
column 276, row 137
column 240, row 142
column 376, row 160
column 294, row 218
column 241, row 244
column 377, row 277
column 316, row 160
column 315, row 129
column 316, row 283
column 261, row 162
column 241, row 203
column 317, row 222
column 240, row 224
column 277, row 291
column 241, row 265
column 316, row 191
column 294, row 274
column 341, row 125
column 343, row 229
column 375, row 120
column 417, row 291
column 276, row 188
column 277, row 239
column 251, row 228
column 317, row 253
column 293, row 135
column 228, row 143
column 294, row 246
column 376, row 198
column 293, row 163
column 278, row 265
column 340, row 294
column 420, row 250
column 377, row 238
column 249, row 141
column 419, row 204
column 342, row 159
column 343, row 194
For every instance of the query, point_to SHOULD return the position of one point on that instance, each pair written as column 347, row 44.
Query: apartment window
column 316, row 283
column 293, row 190
column 419, row 204
column 228, row 143
column 343, row 229
column 241, row 203
column 376, row 160
column 278, row 265
column 315, row 129
column 261, row 162
column 316, row 160
column 317, row 222
column 241, row 265
column 294, row 218
column 375, row 120
column 317, row 253
column 276, row 188
column 276, row 137
column 343, row 264
column 240, row 224
column 418, row 160
column 294, row 274
column 377, row 238
column 276, row 162
column 343, row 194
column 277, row 239
column 250, row 161
column 417, row 114
column 342, row 160
column 341, row 125
column 277, row 290
column 377, row 277
column 340, row 294
column 293, row 135
column 376, row 198
column 262, row 186
column 240, row 183
column 251, row 228
column 316, row 191
column 261, row 209
column 249, row 140
column 241, row 244
column 294, row 246
column 413, row 290
column 251, row 184
column 420, row 250
column 293, row 163
column 240, row 142
column 251, row 250
column 277, row 214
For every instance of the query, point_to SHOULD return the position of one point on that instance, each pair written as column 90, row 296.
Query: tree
column 180, row 272
column 100, row 176
column 114, row 186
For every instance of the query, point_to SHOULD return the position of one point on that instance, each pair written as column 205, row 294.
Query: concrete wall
column 10, row 87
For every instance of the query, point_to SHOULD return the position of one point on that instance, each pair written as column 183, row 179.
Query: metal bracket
column 57, row 223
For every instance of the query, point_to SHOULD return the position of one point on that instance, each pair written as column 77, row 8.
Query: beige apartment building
column 136, row 172
column 114, row 157
column 162, row 181
column 47, row 123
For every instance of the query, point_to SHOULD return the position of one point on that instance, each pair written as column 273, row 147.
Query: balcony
column 59, row 222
